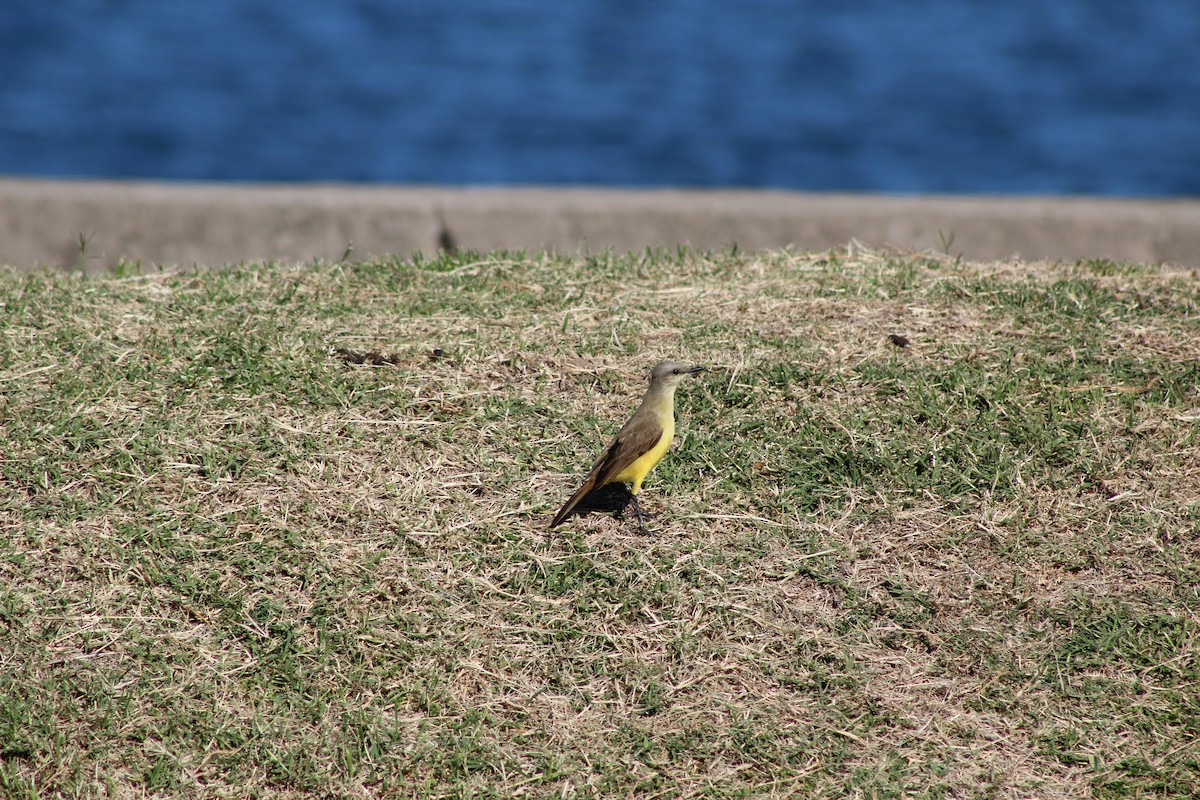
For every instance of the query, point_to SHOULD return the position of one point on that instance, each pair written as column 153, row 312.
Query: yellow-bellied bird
column 640, row 444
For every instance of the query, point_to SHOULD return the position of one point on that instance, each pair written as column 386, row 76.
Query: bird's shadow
column 613, row 499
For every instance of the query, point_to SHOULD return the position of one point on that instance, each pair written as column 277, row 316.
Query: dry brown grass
column 234, row 564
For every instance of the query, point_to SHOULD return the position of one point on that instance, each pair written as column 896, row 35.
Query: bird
column 640, row 444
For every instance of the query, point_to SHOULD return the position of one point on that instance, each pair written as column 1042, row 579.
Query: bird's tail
column 569, row 506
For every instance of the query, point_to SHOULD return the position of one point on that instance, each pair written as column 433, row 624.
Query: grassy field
column 929, row 529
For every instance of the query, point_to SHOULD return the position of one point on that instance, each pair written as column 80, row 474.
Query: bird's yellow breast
column 637, row 470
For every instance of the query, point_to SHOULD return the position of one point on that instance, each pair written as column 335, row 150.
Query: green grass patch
column 929, row 529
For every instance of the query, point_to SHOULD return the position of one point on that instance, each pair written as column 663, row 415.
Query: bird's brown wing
column 631, row 443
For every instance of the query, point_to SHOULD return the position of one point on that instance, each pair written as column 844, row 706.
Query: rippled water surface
column 1077, row 96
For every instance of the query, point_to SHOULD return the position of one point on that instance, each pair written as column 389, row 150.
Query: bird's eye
column 676, row 371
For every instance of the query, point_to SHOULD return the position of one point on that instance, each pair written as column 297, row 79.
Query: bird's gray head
column 670, row 373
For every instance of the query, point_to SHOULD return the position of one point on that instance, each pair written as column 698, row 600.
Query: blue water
column 1029, row 96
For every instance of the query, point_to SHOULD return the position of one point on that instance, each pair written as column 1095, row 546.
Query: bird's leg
column 638, row 511
column 631, row 500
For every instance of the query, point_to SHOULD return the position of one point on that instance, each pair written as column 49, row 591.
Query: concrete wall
column 43, row 221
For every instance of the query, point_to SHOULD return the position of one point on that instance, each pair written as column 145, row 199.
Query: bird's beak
column 697, row 368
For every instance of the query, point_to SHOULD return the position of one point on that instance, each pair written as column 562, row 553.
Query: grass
column 280, row 531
